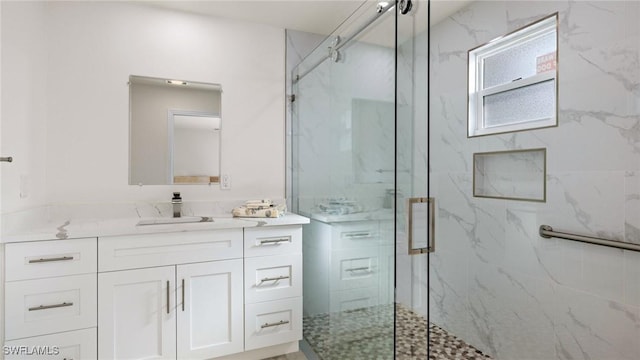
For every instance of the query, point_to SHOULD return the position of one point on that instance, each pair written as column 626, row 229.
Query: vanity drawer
column 355, row 235
column 140, row 251
column 45, row 306
column 351, row 269
column 72, row 345
column 272, row 322
column 273, row 240
column 41, row 259
column 272, row 278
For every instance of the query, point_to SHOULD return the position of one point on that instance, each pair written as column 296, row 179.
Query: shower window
column 513, row 81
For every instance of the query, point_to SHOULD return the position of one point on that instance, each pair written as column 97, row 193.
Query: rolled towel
column 273, row 211
column 258, row 204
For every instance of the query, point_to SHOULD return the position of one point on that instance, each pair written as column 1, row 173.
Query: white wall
column 91, row 49
column 24, row 99
column 1, row 245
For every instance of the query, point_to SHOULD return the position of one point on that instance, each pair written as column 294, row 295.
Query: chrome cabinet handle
column 281, row 322
column 182, row 294
column 45, row 307
column 6, row 159
column 42, row 260
column 364, row 268
column 273, row 241
column 277, row 278
column 431, row 246
column 168, row 297
column 358, row 235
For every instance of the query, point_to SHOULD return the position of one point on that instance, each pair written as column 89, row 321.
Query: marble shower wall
column 494, row 282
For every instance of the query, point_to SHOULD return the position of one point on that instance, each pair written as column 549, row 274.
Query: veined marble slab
column 128, row 226
column 383, row 214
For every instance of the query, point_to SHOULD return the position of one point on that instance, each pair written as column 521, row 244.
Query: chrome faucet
column 177, row 205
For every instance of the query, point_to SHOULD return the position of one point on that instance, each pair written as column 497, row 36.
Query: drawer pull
column 273, row 241
column 277, row 278
column 168, row 297
column 45, row 307
column 42, row 260
column 281, row 322
column 358, row 235
column 182, row 294
column 364, row 268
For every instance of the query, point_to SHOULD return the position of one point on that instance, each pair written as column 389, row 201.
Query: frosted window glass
column 528, row 103
column 517, row 61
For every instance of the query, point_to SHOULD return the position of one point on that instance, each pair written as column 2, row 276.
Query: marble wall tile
column 465, row 222
column 632, row 207
column 449, row 291
column 603, row 272
column 589, row 203
column 448, row 147
column 502, row 299
column 525, row 250
column 588, row 326
column 631, row 278
column 561, row 260
column 575, row 300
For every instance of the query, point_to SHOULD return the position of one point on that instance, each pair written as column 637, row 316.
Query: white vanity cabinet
column 50, row 297
column 191, row 310
column 272, row 286
column 230, row 292
column 352, row 261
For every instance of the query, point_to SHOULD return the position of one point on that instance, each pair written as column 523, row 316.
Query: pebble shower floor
column 367, row 334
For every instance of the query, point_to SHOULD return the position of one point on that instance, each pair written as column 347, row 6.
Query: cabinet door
column 137, row 314
column 210, row 309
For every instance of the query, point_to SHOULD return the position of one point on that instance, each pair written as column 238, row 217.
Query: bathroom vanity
column 349, row 257
column 229, row 288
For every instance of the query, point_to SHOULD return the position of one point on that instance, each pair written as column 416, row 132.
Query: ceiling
column 315, row 16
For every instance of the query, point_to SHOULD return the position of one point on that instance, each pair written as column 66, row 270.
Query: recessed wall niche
column 511, row 175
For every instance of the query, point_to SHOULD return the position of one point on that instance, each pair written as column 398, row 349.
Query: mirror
column 175, row 131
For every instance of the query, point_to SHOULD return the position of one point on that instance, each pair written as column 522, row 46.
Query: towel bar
column 546, row 231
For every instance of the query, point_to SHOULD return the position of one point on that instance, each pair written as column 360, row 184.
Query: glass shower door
column 344, row 180
column 414, row 208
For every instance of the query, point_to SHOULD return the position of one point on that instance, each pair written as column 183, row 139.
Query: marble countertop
column 382, row 214
column 128, row 226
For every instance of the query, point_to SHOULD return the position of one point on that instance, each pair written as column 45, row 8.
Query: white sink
column 180, row 220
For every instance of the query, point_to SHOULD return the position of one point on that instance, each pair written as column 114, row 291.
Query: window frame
column 476, row 124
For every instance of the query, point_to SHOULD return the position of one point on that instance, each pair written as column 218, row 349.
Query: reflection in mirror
column 174, row 131
column 194, row 134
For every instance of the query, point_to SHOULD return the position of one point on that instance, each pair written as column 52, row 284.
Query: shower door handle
column 414, row 228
